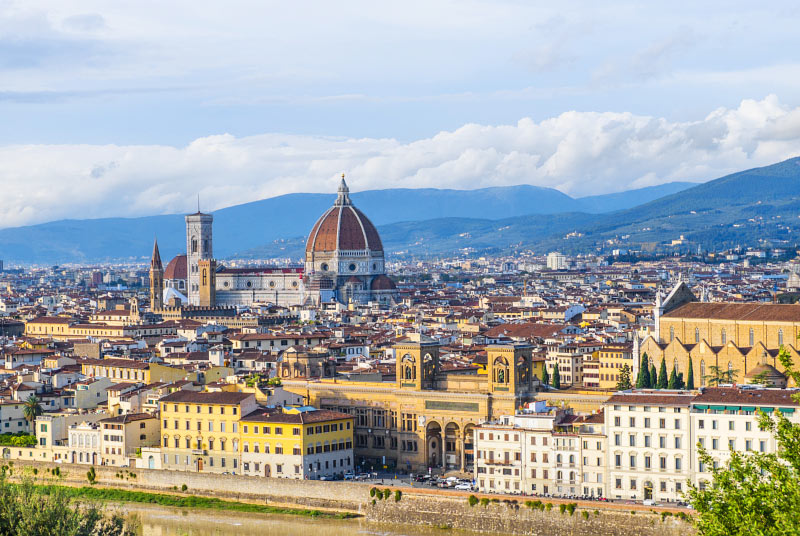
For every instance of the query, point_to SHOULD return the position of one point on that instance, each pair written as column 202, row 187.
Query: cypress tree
column 545, row 376
column 653, row 377
column 690, row 377
column 556, row 379
column 663, row 381
column 673, row 380
column 643, row 378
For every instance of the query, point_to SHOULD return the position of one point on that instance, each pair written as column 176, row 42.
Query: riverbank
column 445, row 509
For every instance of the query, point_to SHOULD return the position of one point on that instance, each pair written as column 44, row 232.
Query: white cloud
column 579, row 153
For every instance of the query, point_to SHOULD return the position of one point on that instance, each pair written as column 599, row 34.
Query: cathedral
column 344, row 263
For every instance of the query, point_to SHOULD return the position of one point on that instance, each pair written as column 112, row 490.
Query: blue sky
column 133, row 107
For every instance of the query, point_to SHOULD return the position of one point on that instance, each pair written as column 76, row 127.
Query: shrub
column 484, row 501
column 571, row 508
column 398, row 495
column 373, row 502
column 372, row 492
column 597, row 512
column 184, row 487
column 585, row 514
column 91, row 476
column 35, row 471
column 387, row 493
column 548, row 506
column 472, row 500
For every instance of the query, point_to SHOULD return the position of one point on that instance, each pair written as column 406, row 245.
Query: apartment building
column 542, row 450
column 200, row 430
column 124, row 435
column 299, row 442
column 725, row 419
column 649, row 444
column 612, row 359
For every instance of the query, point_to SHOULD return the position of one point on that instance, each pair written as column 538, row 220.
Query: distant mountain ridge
column 274, row 223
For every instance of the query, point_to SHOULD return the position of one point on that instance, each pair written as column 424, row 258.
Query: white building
column 556, row 261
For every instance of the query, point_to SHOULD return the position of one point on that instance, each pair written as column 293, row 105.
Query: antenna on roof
column 198, row 201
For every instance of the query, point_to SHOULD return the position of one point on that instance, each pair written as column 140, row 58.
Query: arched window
column 671, row 334
column 752, row 338
column 571, row 458
column 558, row 458
column 194, row 244
column 696, row 335
column 205, row 277
column 780, row 337
column 724, row 336
column 703, row 373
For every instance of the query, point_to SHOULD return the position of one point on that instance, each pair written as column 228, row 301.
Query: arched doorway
column 648, row 491
column 7, row 453
column 199, row 465
column 151, row 462
column 267, row 470
column 452, row 446
column 433, row 442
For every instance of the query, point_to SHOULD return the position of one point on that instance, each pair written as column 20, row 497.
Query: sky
column 135, row 108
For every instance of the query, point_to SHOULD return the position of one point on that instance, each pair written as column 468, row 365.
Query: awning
column 767, row 410
column 786, row 410
column 717, row 408
column 732, row 408
column 748, row 408
column 700, row 406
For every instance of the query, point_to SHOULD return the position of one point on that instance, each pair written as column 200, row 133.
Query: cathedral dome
column 176, row 269
column 343, row 227
column 382, row 282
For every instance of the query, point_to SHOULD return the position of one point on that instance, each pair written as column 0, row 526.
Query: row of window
column 662, row 423
column 648, row 441
column 648, row 462
column 724, row 336
column 186, row 407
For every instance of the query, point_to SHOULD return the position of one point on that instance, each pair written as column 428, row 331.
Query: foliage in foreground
column 26, row 510
column 754, row 494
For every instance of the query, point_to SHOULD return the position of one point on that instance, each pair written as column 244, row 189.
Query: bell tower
column 417, row 364
column 510, row 368
column 199, row 246
column 156, row 280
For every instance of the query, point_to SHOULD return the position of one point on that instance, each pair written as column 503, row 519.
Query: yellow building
column 425, row 418
column 301, row 443
column 737, row 342
column 612, row 359
column 200, row 431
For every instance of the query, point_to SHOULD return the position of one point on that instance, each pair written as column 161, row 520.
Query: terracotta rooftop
column 760, row 312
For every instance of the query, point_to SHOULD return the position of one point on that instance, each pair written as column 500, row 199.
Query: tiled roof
column 759, row 312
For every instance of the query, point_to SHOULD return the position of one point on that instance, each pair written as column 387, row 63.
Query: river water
column 164, row 521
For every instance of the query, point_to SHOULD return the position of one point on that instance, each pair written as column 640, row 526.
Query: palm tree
column 718, row 375
column 32, row 409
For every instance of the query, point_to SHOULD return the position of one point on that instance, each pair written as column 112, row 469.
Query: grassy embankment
column 191, row 501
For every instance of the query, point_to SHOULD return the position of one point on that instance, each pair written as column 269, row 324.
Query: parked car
column 349, row 476
column 463, row 487
column 362, row 476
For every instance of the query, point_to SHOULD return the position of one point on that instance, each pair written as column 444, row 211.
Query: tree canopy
column 624, row 382
column 754, row 493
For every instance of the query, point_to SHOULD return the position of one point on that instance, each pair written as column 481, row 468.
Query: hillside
column 275, row 221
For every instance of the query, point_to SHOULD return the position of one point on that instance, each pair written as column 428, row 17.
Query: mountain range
column 277, row 226
column 756, row 207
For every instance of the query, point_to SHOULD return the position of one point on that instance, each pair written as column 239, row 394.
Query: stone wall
column 416, row 507
column 517, row 519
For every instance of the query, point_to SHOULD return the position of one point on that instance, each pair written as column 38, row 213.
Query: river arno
column 163, row 521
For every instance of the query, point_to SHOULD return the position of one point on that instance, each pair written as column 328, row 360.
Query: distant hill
column 757, row 207
column 275, row 223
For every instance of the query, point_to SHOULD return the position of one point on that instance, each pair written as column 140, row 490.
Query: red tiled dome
column 343, row 227
column 176, row 269
column 382, row 282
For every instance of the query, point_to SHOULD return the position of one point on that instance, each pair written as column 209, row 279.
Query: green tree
column 673, row 380
column 690, row 377
column 754, row 493
column 31, row 409
column 718, row 375
column 545, row 376
column 30, row 510
column 662, row 381
column 643, row 378
column 556, row 378
column 624, row 382
column 653, row 376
